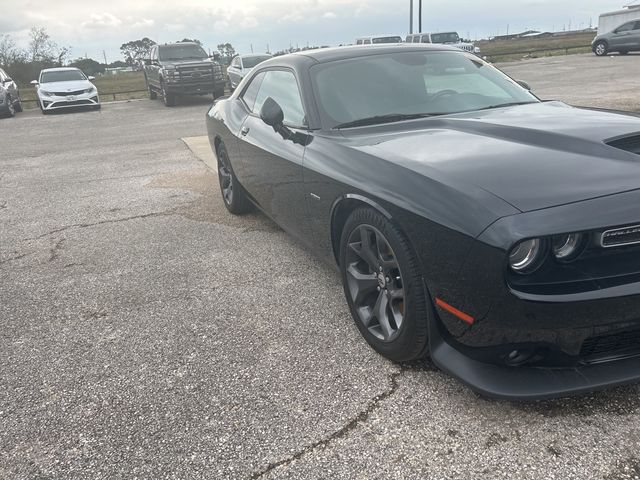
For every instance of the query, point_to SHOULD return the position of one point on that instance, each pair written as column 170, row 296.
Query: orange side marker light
column 454, row 311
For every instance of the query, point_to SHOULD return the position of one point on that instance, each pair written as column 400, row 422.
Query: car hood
column 531, row 156
column 188, row 63
column 70, row 86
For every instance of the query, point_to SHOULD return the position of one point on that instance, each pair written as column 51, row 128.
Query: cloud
column 329, row 15
column 102, row 20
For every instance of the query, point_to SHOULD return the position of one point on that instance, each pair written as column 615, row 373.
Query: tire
column 152, row 93
column 97, row 107
column 233, row 195
column 601, row 49
column 383, row 279
column 11, row 109
column 18, row 106
column 169, row 99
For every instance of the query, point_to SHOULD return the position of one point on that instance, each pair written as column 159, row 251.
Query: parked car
column 10, row 101
column 65, row 87
column 445, row 38
column 468, row 219
column 624, row 39
column 241, row 65
column 375, row 39
column 182, row 68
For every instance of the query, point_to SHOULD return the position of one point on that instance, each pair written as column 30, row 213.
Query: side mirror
column 272, row 114
column 90, row 77
column 523, row 84
column 34, row 82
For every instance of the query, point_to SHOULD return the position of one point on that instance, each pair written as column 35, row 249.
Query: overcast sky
column 92, row 26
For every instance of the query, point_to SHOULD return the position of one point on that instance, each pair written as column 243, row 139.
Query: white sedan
column 64, row 88
column 241, row 65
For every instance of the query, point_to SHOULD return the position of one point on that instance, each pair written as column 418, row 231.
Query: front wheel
column 233, row 195
column 383, row 285
column 601, row 49
column 18, row 105
column 152, row 93
column 168, row 98
column 11, row 109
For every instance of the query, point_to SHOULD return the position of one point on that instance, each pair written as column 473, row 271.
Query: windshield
column 387, row 40
column 181, row 52
column 423, row 83
column 451, row 37
column 61, row 76
column 250, row 62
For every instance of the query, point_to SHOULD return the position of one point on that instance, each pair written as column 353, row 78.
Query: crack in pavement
column 55, row 250
column 361, row 417
column 101, row 222
column 11, row 259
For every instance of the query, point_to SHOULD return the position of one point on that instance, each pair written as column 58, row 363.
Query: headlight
column 46, row 94
column 525, row 257
column 567, row 247
column 89, row 90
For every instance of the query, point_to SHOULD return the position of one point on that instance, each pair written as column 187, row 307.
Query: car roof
column 58, row 69
column 354, row 51
column 247, row 55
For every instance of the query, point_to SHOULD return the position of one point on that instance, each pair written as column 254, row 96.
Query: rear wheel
column 601, row 49
column 383, row 286
column 168, row 98
column 233, row 195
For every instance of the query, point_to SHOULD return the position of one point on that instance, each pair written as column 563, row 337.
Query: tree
column 41, row 47
column 117, row 64
column 136, row 50
column 88, row 65
column 9, row 53
column 195, row 40
column 227, row 52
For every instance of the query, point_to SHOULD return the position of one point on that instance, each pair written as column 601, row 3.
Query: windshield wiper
column 390, row 118
column 508, row 104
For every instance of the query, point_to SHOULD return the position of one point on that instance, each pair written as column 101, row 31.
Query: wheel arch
column 340, row 211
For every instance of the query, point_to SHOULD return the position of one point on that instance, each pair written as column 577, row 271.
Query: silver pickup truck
column 182, row 69
column 446, row 38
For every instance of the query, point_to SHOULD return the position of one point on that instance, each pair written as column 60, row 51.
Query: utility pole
column 419, row 16
column 104, row 55
column 251, row 47
column 410, row 17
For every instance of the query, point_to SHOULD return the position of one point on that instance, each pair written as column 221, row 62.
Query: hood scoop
column 628, row 144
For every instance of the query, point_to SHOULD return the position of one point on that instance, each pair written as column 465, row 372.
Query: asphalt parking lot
column 146, row 333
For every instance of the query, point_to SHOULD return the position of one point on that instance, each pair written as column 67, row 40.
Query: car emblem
column 621, row 236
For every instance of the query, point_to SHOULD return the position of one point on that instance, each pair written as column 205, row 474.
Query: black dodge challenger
column 470, row 221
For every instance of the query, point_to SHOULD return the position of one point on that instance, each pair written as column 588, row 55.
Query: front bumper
column 57, row 102
column 548, row 340
column 195, row 88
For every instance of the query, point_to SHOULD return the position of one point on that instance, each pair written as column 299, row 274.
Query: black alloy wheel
column 233, row 195
column 383, row 286
column 18, row 105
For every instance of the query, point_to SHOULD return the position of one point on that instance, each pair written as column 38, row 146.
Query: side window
column 637, row 27
column 235, row 62
column 250, row 94
column 626, row 27
column 359, row 42
column 282, row 86
column 425, row 39
column 367, row 42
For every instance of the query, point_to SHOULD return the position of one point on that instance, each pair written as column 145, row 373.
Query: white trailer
column 612, row 20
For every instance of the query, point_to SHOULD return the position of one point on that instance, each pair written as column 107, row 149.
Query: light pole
column 410, row 17
column 419, row 16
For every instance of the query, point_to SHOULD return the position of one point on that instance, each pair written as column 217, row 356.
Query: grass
column 110, row 87
column 503, row 50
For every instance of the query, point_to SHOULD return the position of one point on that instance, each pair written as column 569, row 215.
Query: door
column 622, row 36
column 634, row 43
column 272, row 165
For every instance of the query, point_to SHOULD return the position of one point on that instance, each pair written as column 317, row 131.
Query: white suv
column 64, row 88
column 446, row 38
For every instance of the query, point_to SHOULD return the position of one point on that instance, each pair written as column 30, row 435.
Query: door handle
column 244, row 131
